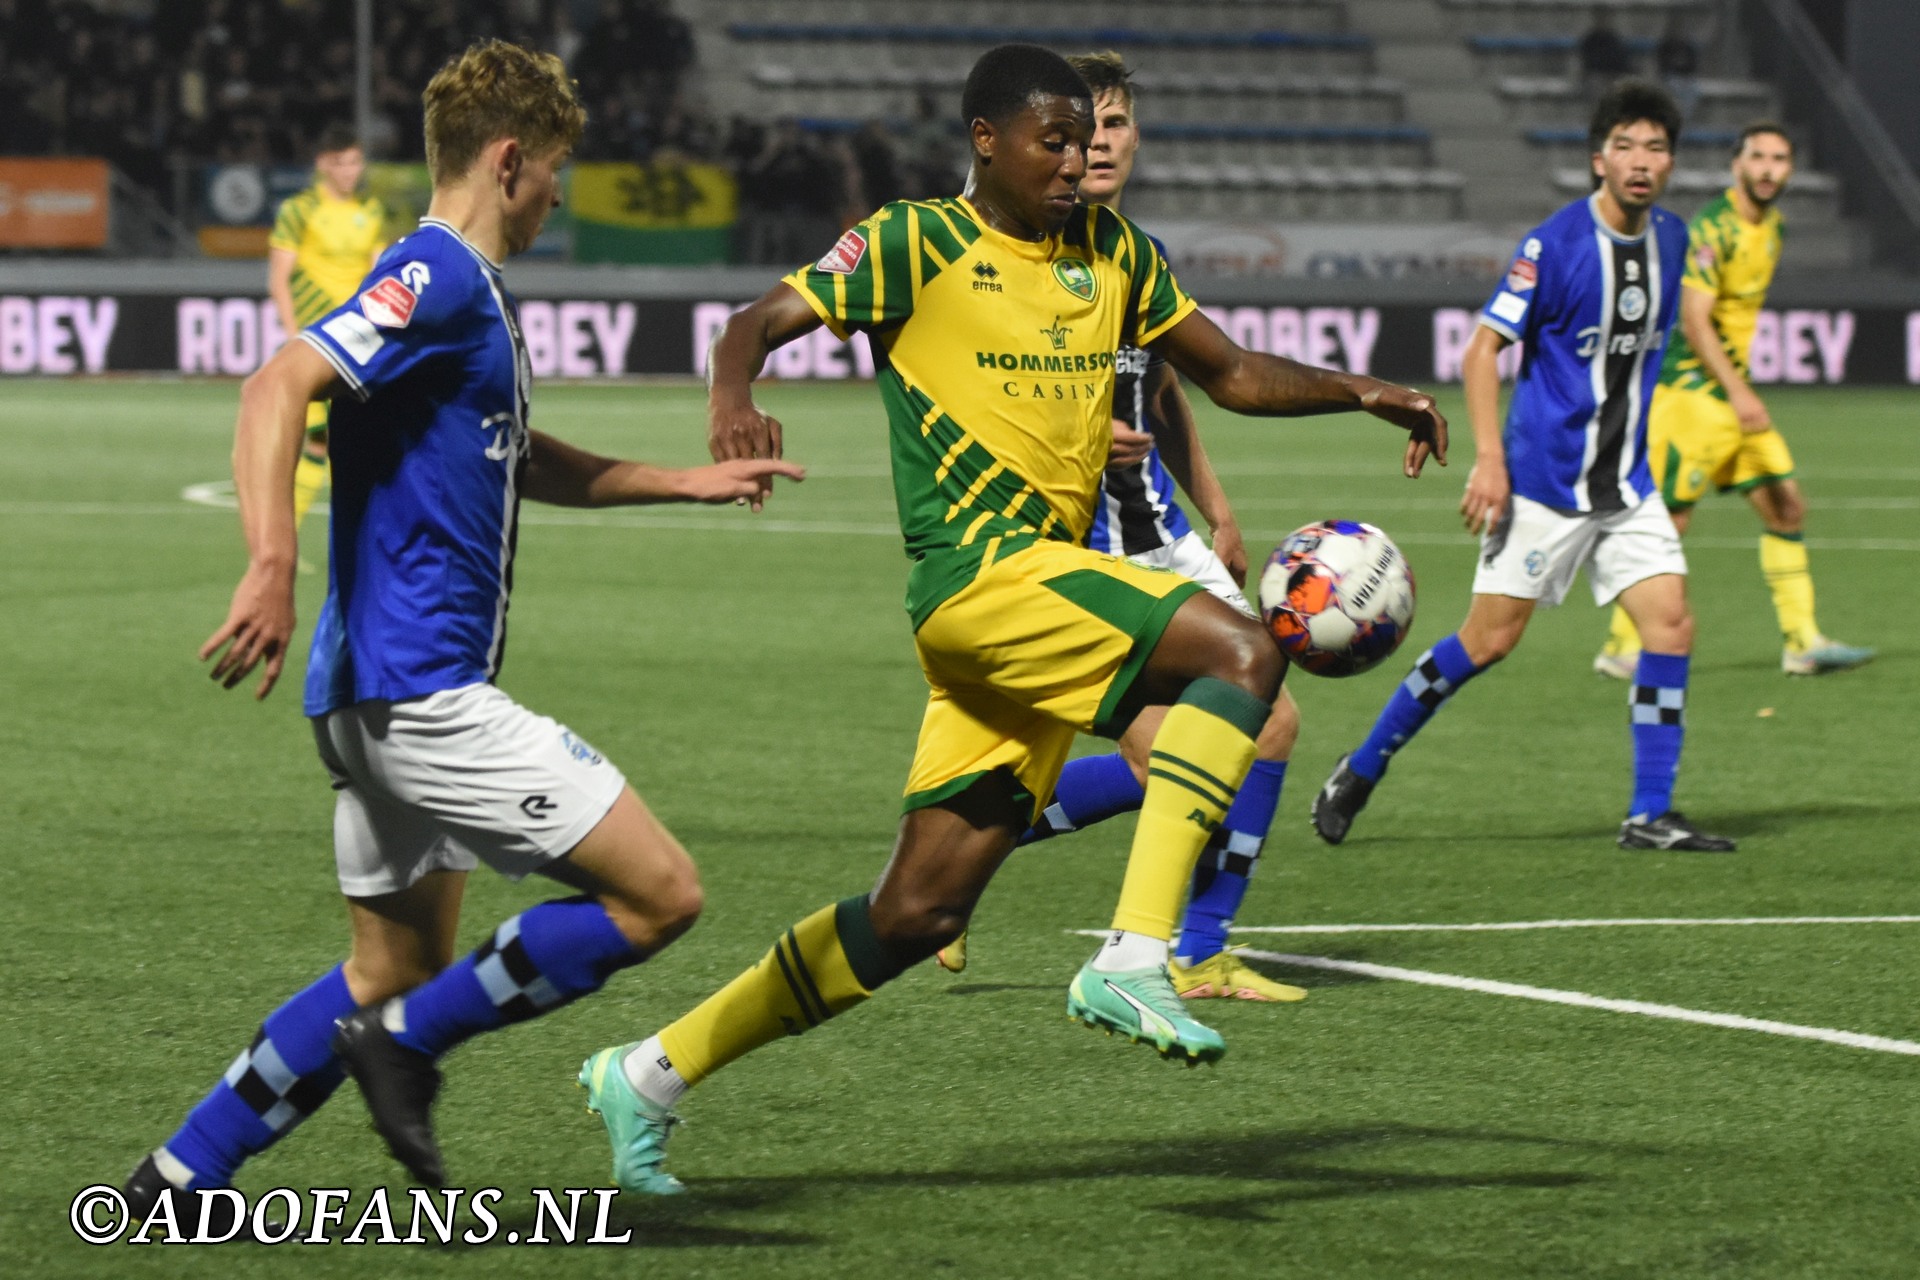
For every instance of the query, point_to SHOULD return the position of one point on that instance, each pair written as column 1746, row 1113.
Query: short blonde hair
column 1105, row 72
column 497, row 90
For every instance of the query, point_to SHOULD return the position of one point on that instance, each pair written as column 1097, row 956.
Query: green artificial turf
column 165, row 881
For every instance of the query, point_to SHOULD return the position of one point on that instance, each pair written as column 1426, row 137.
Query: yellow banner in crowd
column 660, row 196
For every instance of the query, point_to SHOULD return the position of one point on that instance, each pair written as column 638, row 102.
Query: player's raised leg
column 1226, row 672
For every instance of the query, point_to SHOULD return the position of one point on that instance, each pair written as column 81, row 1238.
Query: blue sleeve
column 1509, row 311
column 408, row 313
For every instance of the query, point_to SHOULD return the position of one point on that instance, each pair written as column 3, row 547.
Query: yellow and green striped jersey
column 334, row 243
column 1733, row 260
column 995, row 362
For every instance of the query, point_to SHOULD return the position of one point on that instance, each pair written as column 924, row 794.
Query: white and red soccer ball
column 1337, row 597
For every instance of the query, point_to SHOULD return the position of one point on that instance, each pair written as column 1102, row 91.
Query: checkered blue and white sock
column 1658, row 704
column 1225, row 869
column 1436, row 676
column 281, row 1079
column 544, row 957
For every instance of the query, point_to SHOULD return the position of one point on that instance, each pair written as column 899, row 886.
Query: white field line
column 1580, row 999
column 1504, row 926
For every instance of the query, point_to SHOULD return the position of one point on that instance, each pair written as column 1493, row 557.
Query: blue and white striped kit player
column 427, row 466
column 1137, row 511
column 426, row 476
column 433, row 767
column 1593, row 308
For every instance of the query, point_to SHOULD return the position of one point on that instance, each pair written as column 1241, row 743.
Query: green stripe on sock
column 1784, row 537
column 1226, row 787
column 867, row 956
column 806, row 976
column 1228, row 701
column 1194, row 787
column 799, row 995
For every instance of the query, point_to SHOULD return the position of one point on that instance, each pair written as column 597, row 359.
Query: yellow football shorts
column 1694, row 440
column 1039, row 647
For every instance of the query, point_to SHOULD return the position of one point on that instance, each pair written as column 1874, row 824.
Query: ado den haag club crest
column 1076, row 277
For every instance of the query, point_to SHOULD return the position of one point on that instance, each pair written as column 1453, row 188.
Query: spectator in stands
column 933, row 155
column 879, row 167
column 1676, row 60
column 797, row 189
column 1604, row 55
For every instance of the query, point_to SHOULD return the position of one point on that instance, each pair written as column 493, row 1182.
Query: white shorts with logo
column 452, row 780
column 1534, row 553
column 1190, row 556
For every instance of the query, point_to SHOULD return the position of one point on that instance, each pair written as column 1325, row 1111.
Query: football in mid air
column 1337, row 597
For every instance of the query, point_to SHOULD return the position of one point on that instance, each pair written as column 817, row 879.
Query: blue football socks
column 1091, row 789
column 539, row 960
column 1436, row 676
column 1659, row 708
column 1225, row 869
column 282, row 1078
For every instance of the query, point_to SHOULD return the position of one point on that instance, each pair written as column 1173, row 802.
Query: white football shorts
column 1534, row 553
column 1190, row 556
column 452, row 780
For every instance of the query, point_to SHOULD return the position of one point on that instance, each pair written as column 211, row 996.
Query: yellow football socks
column 822, row 966
column 310, row 476
column 1783, row 559
column 1622, row 637
column 1199, row 759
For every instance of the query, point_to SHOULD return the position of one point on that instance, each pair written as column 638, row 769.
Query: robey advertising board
column 68, row 334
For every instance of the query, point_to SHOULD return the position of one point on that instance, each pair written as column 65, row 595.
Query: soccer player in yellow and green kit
column 1707, row 425
column 994, row 319
column 324, row 242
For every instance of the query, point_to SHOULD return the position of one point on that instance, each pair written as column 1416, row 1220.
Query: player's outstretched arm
column 566, row 476
column 735, row 426
column 1178, row 437
column 1252, row 383
column 1489, row 487
column 266, row 444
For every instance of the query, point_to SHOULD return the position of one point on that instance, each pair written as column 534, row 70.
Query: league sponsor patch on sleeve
column 845, row 254
column 1509, row 308
column 1704, row 257
column 354, row 335
column 389, row 303
column 1522, row 275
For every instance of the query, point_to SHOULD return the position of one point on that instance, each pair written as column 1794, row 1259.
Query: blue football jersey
column 1136, row 511
column 427, row 454
column 1593, row 309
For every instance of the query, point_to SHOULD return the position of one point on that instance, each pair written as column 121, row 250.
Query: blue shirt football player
column 436, row 770
column 1592, row 293
column 1138, row 515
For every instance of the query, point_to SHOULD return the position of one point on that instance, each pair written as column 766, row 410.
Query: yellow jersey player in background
column 323, row 244
column 1708, row 427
